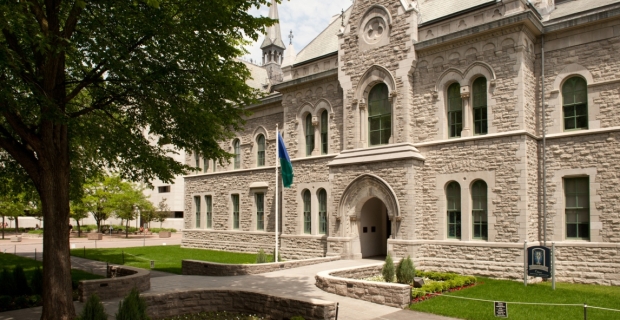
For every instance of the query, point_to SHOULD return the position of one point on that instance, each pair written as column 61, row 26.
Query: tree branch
column 22, row 130
column 28, row 73
column 21, row 154
column 72, row 20
column 36, row 9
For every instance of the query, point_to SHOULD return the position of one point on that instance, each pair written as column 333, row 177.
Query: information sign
column 501, row 309
column 539, row 262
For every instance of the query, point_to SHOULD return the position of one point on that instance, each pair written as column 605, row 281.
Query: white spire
column 274, row 35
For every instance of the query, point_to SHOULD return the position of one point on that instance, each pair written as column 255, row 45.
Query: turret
column 273, row 47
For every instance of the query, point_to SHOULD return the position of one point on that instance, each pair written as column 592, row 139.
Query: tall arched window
column 322, row 211
column 307, row 212
column 324, row 125
column 206, row 165
column 455, row 111
column 260, row 154
column 575, row 103
column 453, row 197
column 479, row 210
column 309, row 135
column 379, row 115
column 480, row 106
column 237, row 147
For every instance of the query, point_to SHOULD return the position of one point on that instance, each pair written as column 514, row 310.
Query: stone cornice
column 306, row 79
column 489, row 30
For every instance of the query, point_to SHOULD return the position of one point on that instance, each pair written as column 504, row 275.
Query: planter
column 95, row 236
column 16, row 239
column 165, row 234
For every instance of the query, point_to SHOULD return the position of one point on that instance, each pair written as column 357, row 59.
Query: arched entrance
column 368, row 202
column 375, row 228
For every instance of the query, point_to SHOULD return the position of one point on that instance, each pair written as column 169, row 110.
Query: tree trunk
column 3, row 227
column 57, row 289
column 16, row 224
column 77, row 222
column 127, row 229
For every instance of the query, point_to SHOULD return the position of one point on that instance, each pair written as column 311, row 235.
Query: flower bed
column 437, row 282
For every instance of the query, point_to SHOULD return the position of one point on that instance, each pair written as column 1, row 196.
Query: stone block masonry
column 124, row 280
column 250, row 302
column 389, row 294
column 205, row 268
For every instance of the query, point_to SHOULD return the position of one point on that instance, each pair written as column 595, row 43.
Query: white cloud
column 306, row 18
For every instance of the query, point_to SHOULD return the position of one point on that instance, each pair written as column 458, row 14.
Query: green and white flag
column 285, row 163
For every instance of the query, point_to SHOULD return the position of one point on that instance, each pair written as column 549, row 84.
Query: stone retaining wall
column 165, row 305
column 205, row 268
column 126, row 278
column 389, row 294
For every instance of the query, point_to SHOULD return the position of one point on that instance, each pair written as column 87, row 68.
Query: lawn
column 9, row 261
column 167, row 258
column 507, row 291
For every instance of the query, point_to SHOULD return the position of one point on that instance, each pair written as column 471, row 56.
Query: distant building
column 416, row 128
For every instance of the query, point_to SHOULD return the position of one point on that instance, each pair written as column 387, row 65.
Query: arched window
column 453, row 197
column 214, row 165
column 480, row 106
column 379, row 115
column 206, row 167
column 479, row 210
column 309, row 135
column 307, row 212
column 237, row 147
column 322, row 211
column 197, row 160
column 324, row 125
column 260, row 155
column 455, row 111
column 575, row 103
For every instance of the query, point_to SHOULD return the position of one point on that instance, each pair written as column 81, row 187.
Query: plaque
column 539, row 262
column 501, row 309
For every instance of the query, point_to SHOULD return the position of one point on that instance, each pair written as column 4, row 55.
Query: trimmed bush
column 261, row 257
column 388, row 269
column 21, row 283
column 7, row 285
column 132, row 307
column 93, row 309
column 406, row 271
column 36, row 282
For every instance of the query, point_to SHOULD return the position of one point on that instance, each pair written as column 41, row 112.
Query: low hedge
column 440, row 282
column 158, row 230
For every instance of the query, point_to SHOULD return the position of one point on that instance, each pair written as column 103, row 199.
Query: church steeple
column 273, row 47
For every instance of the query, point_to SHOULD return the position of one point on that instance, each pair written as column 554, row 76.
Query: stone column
column 363, row 123
column 317, row 136
column 467, row 116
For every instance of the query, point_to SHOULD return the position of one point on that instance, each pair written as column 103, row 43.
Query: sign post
column 501, row 309
column 553, row 265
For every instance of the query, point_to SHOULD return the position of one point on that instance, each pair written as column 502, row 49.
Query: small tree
column 163, row 211
column 133, row 307
column 12, row 206
column 36, row 281
column 388, row 269
column 405, row 271
column 20, row 282
column 127, row 202
column 93, row 309
column 78, row 212
column 261, row 257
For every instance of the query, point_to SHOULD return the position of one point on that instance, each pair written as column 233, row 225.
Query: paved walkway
column 297, row 282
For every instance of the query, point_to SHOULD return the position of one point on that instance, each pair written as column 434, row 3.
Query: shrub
column 405, row 272
column 297, row 318
column 388, row 269
column 93, row 310
column 261, row 257
column 7, row 285
column 132, row 307
column 20, row 282
column 5, row 302
column 36, row 282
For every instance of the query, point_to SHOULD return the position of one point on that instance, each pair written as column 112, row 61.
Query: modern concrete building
column 432, row 129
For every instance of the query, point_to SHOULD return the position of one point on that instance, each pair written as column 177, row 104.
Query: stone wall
column 205, row 268
column 126, row 278
column 389, row 294
column 590, row 264
column 272, row 306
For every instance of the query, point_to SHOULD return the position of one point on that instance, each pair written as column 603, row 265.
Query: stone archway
column 367, row 199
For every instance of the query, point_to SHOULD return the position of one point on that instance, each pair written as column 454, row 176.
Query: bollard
column 585, row 311
column 152, row 264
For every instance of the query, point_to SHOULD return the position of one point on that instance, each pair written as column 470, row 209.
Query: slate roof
column 568, row 8
column 259, row 76
column 434, row 9
column 325, row 43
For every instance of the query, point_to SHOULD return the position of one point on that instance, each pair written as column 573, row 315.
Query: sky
column 306, row 18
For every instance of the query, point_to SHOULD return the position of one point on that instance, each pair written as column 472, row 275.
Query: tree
column 127, row 202
column 163, row 210
column 97, row 192
column 78, row 212
column 83, row 85
column 11, row 206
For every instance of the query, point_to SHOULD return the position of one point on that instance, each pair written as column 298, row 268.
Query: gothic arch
column 362, row 189
column 323, row 104
column 375, row 74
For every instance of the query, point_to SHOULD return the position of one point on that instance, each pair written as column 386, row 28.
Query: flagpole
column 275, row 258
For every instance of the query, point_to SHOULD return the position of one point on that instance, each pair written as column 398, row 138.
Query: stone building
column 433, row 129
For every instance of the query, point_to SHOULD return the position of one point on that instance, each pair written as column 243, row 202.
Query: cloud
column 306, row 18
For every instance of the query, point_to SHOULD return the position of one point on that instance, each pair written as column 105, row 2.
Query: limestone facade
column 418, row 191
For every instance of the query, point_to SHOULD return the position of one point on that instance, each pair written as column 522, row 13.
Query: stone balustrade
column 205, row 268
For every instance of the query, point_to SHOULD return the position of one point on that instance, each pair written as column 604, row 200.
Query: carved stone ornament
column 354, row 101
column 338, row 218
column 374, row 30
column 492, row 83
column 465, row 92
column 399, row 219
column 353, row 218
column 315, row 121
column 435, row 94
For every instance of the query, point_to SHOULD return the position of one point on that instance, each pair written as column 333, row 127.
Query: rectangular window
column 206, row 166
column 197, row 160
column 454, row 225
column 260, row 211
column 197, row 206
column 322, row 212
column 577, row 208
column 214, row 165
column 235, row 203
column 209, row 204
column 163, row 189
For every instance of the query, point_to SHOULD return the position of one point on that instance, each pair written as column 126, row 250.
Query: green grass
column 9, row 261
column 512, row 291
column 167, row 258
